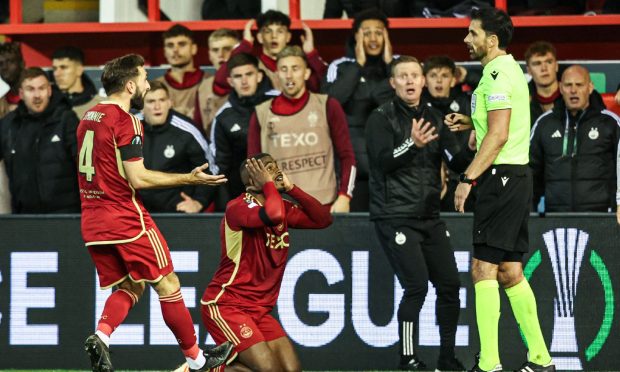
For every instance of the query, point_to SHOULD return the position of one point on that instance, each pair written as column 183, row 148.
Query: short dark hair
column 402, row 59
column 370, row 13
column 241, row 59
column 273, row 17
column 495, row 22
column 158, row 85
column 540, row 48
column 439, row 62
column 292, row 51
column 223, row 32
column 70, row 52
column 31, row 73
column 178, row 30
column 13, row 48
column 245, row 177
column 117, row 72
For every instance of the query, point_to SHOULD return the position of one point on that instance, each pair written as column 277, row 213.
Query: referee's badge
column 593, row 134
column 400, row 238
column 473, row 103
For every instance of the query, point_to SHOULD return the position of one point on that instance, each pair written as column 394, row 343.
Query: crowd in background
column 310, row 115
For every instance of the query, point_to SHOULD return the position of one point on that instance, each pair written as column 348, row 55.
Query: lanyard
column 565, row 139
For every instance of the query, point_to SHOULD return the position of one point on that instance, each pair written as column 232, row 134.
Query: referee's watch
column 464, row 179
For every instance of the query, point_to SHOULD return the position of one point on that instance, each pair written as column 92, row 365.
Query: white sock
column 103, row 337
column 198, row 362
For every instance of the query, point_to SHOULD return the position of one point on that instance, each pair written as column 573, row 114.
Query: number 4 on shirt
column 86, row 156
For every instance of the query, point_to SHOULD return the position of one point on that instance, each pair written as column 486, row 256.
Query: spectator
column 573, row 149
column 183, row 78
column 68, row 75
column 38, row 143
column 172, row 144
column 360, row 82
column 443, row 94
column 230, row 9
column 11, row 66
column 407, row 140
column 229, row 136
column 305, row 132
column 273, row 35
column 221, row 43
column 542, row 65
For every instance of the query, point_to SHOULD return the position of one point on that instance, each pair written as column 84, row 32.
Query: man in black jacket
column 172, row 143
column 573, row 149
column 38, row 143
column 69, row 77
column 443, row 94
column 360, row 82
column 229, row 132
column 407, row 142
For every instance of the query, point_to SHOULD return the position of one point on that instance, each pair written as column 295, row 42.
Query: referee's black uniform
column 405, row 187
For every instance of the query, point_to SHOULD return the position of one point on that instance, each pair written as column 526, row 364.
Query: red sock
column 179, row 321
column 116, row 308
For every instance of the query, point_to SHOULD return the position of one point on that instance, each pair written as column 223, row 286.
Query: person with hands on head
column 500, row 172
column 407, row 142
column 124, row 243
column 237, row 303
column 360, row 82
column 274, row 35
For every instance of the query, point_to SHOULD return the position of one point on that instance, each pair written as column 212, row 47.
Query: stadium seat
column 610, row 102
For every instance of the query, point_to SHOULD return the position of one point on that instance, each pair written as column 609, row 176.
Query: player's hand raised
column 258, row 173
column 307, row 39
column 199, row 177
column 247, row 31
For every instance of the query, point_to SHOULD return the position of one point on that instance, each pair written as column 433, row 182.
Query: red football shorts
column 145, row 259
column 243, row 326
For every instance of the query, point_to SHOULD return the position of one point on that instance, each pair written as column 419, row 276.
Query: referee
column 501, row 119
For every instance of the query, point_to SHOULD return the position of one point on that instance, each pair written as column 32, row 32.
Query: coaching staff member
column 501, row 119
column 407, row 141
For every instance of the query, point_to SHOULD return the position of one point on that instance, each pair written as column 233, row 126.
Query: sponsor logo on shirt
column 498, row 97
column 275, row 241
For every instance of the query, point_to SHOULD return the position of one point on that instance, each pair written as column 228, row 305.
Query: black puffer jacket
column 40, row 155
column 405, row 181
column 359, row 90
column 229, row 141
column 573, row 159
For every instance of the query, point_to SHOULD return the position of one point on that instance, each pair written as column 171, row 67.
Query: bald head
column 576, row 88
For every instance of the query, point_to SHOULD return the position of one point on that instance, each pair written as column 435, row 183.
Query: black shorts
column 502, row 208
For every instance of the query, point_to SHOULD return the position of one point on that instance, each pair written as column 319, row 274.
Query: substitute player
column 122, row 239
column 500, row 171
column 236, row 305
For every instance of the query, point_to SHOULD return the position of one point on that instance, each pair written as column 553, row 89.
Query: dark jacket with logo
column 405, row 180
column 176, row 146
column 229, row 134
column 40, row 155
column 573, row 159
column 458, row 102
column 359, row 90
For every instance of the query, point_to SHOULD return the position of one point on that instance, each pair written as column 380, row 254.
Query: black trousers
column 419, row 251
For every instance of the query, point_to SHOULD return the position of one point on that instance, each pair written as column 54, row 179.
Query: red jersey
column 112, row 213
column 254, row 255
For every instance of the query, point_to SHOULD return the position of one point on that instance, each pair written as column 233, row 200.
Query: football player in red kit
column 122, row 239
column 236, row 305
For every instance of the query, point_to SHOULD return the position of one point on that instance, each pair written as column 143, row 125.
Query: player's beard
column 137, row 100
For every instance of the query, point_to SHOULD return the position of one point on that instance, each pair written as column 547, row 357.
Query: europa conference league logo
column 566, row 248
